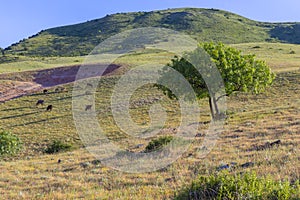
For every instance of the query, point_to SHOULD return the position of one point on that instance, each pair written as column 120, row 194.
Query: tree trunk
column 214, row 110
column 211, row 107
column 216, row 106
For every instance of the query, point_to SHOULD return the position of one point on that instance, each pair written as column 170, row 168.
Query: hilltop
column 201, row 24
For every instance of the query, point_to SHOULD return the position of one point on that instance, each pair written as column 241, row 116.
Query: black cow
column 277, row 142
column 45, row 91
column 49, row 108
column 88, row 107
column 40, row 102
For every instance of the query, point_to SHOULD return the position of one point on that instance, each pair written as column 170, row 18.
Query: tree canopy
column 240, row 73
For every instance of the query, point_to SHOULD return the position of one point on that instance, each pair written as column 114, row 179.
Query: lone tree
column 2, row 51
column 240, row 73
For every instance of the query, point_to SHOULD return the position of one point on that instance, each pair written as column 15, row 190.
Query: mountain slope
column 201, row 24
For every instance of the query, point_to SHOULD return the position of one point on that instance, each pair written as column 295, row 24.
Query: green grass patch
column 240, row 186
column 26, row 63
column 10, row 144
column 57, row 146
column 158, row 143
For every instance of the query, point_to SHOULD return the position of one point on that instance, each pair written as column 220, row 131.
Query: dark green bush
column 57, row 146
column 256, row 47
column 9, row 144
column 245, row 186
column 158, row 143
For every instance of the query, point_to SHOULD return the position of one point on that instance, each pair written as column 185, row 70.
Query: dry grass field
column 253, row 122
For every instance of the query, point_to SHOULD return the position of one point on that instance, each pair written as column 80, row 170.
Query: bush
column 158, row 143
column 292, row 52
column 256, row 47
column 57, row 146
column 246, row 186
column 9, row 144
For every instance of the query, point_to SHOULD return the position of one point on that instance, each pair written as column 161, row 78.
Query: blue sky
column 23, row 18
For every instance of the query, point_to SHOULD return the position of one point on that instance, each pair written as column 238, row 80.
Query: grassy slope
column 26, row 63
column 202, row 24
column 281, row 57
column 254, row 120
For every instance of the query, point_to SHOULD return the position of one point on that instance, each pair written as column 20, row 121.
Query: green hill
column 201, row 24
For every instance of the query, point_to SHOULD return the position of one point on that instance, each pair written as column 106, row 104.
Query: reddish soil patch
column 22, row 83
column 14, row 89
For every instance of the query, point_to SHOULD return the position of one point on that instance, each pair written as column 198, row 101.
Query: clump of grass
column 158, row 143
column 245, row 186
column 57, row 146
column 10, row 144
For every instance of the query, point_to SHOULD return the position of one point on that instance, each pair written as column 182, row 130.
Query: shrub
column 256, row 47
column 158, row 143
column 9, row 144
column 246, row 186
column 57, row 146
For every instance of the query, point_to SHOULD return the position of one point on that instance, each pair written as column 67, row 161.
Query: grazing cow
column 45, row 91
column 88, row 93
column 59, row 89
column 40, row 102
column 88, row 107
column 89, row 84
column 49, row 108
column 277, row 142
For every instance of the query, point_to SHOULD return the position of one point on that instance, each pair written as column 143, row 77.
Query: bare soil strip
column 13, row 85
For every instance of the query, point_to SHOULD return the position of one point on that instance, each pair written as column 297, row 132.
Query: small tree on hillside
column 2, row 51
column 239, row 72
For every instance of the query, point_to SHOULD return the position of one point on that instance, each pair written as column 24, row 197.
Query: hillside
column 201, row 24
column 254, row 120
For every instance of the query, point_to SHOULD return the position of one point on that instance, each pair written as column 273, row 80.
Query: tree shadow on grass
column 16, row 116
column 39, row 121
column 12, row 109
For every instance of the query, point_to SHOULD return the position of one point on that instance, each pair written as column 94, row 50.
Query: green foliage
column 257, row 47
column 239, row 72
column 245, row 186
column 1, row 52
column 292, row 52
column 57, row 146
column 158, row 143
column 9, row 144
column 289, row 32
column 189, row 72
